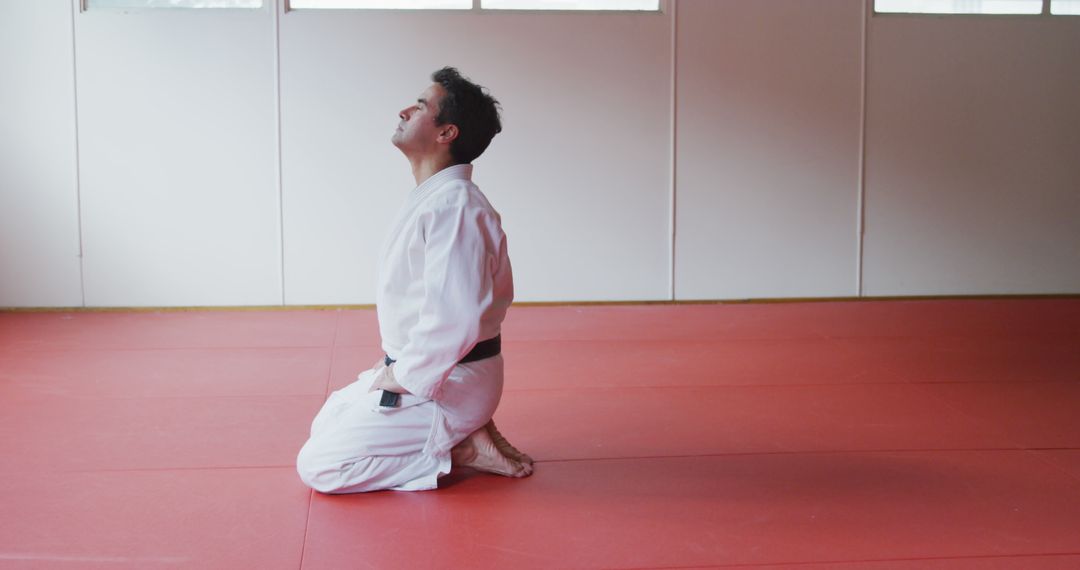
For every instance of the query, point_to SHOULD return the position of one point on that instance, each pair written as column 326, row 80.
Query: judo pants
column 358, row 446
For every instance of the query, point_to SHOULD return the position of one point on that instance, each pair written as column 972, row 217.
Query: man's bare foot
column 479, row 452
column 504, row 446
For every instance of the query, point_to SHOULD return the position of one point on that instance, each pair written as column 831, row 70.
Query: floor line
column 333, row 356
column 623, row 388
column 307, row 523
column 153, row 469
column 627, row 458
column 803, row 452
column 632, row 458
column 91, row 397
column 172, row 348
column 870, row 560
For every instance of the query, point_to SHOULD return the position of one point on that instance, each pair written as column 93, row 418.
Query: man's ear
column 447, row 133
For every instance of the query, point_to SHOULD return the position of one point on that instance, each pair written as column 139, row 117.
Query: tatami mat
column 878, row 435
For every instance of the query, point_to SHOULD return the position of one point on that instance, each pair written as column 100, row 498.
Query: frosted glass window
column 383, row 4
column 641, row 5
column 174, row 4
column 1069, row 7
column 959, row 6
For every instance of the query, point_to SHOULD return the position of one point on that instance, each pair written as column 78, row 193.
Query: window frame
column 663, row 8
column 84, row 6
column 1060, row 15
column 1044, row 13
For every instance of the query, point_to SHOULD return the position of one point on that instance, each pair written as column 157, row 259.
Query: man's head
column 452, row 115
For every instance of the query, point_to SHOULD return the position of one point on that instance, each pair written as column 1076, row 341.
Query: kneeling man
column 444, row 286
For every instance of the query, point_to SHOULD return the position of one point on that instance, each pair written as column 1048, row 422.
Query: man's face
column 417, row 134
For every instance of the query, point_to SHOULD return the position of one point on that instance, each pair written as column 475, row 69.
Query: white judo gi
column 444, row 284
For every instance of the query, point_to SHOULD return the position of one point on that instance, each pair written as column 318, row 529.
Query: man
column 444, row 287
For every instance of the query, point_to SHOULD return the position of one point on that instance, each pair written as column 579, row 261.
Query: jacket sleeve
column 458, row 285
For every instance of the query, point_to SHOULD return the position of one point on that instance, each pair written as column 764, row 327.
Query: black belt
column 483, row 349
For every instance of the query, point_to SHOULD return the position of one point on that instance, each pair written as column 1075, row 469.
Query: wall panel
column 178, row 157
column 39, row 220
column 768, row 148
column 973, row 138
column 580, row 172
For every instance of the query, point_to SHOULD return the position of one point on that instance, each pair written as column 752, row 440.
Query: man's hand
column 384, row 380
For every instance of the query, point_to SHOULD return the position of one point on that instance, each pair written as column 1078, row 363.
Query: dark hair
column 472, row 109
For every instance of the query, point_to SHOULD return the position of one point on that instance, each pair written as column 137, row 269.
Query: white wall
column 39, row 219
column 768, row 148
column 178, row 155
column 970, row 186
column 580, row 173
column 973, row 156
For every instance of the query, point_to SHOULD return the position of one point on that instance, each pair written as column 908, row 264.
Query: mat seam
column 814, row 385
column 632, row 458
column 807, row 452
column 858, row 561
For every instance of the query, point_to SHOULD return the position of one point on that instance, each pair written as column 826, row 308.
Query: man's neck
column 426, row 167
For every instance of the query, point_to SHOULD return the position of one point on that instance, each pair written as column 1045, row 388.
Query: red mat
column 877, row 435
